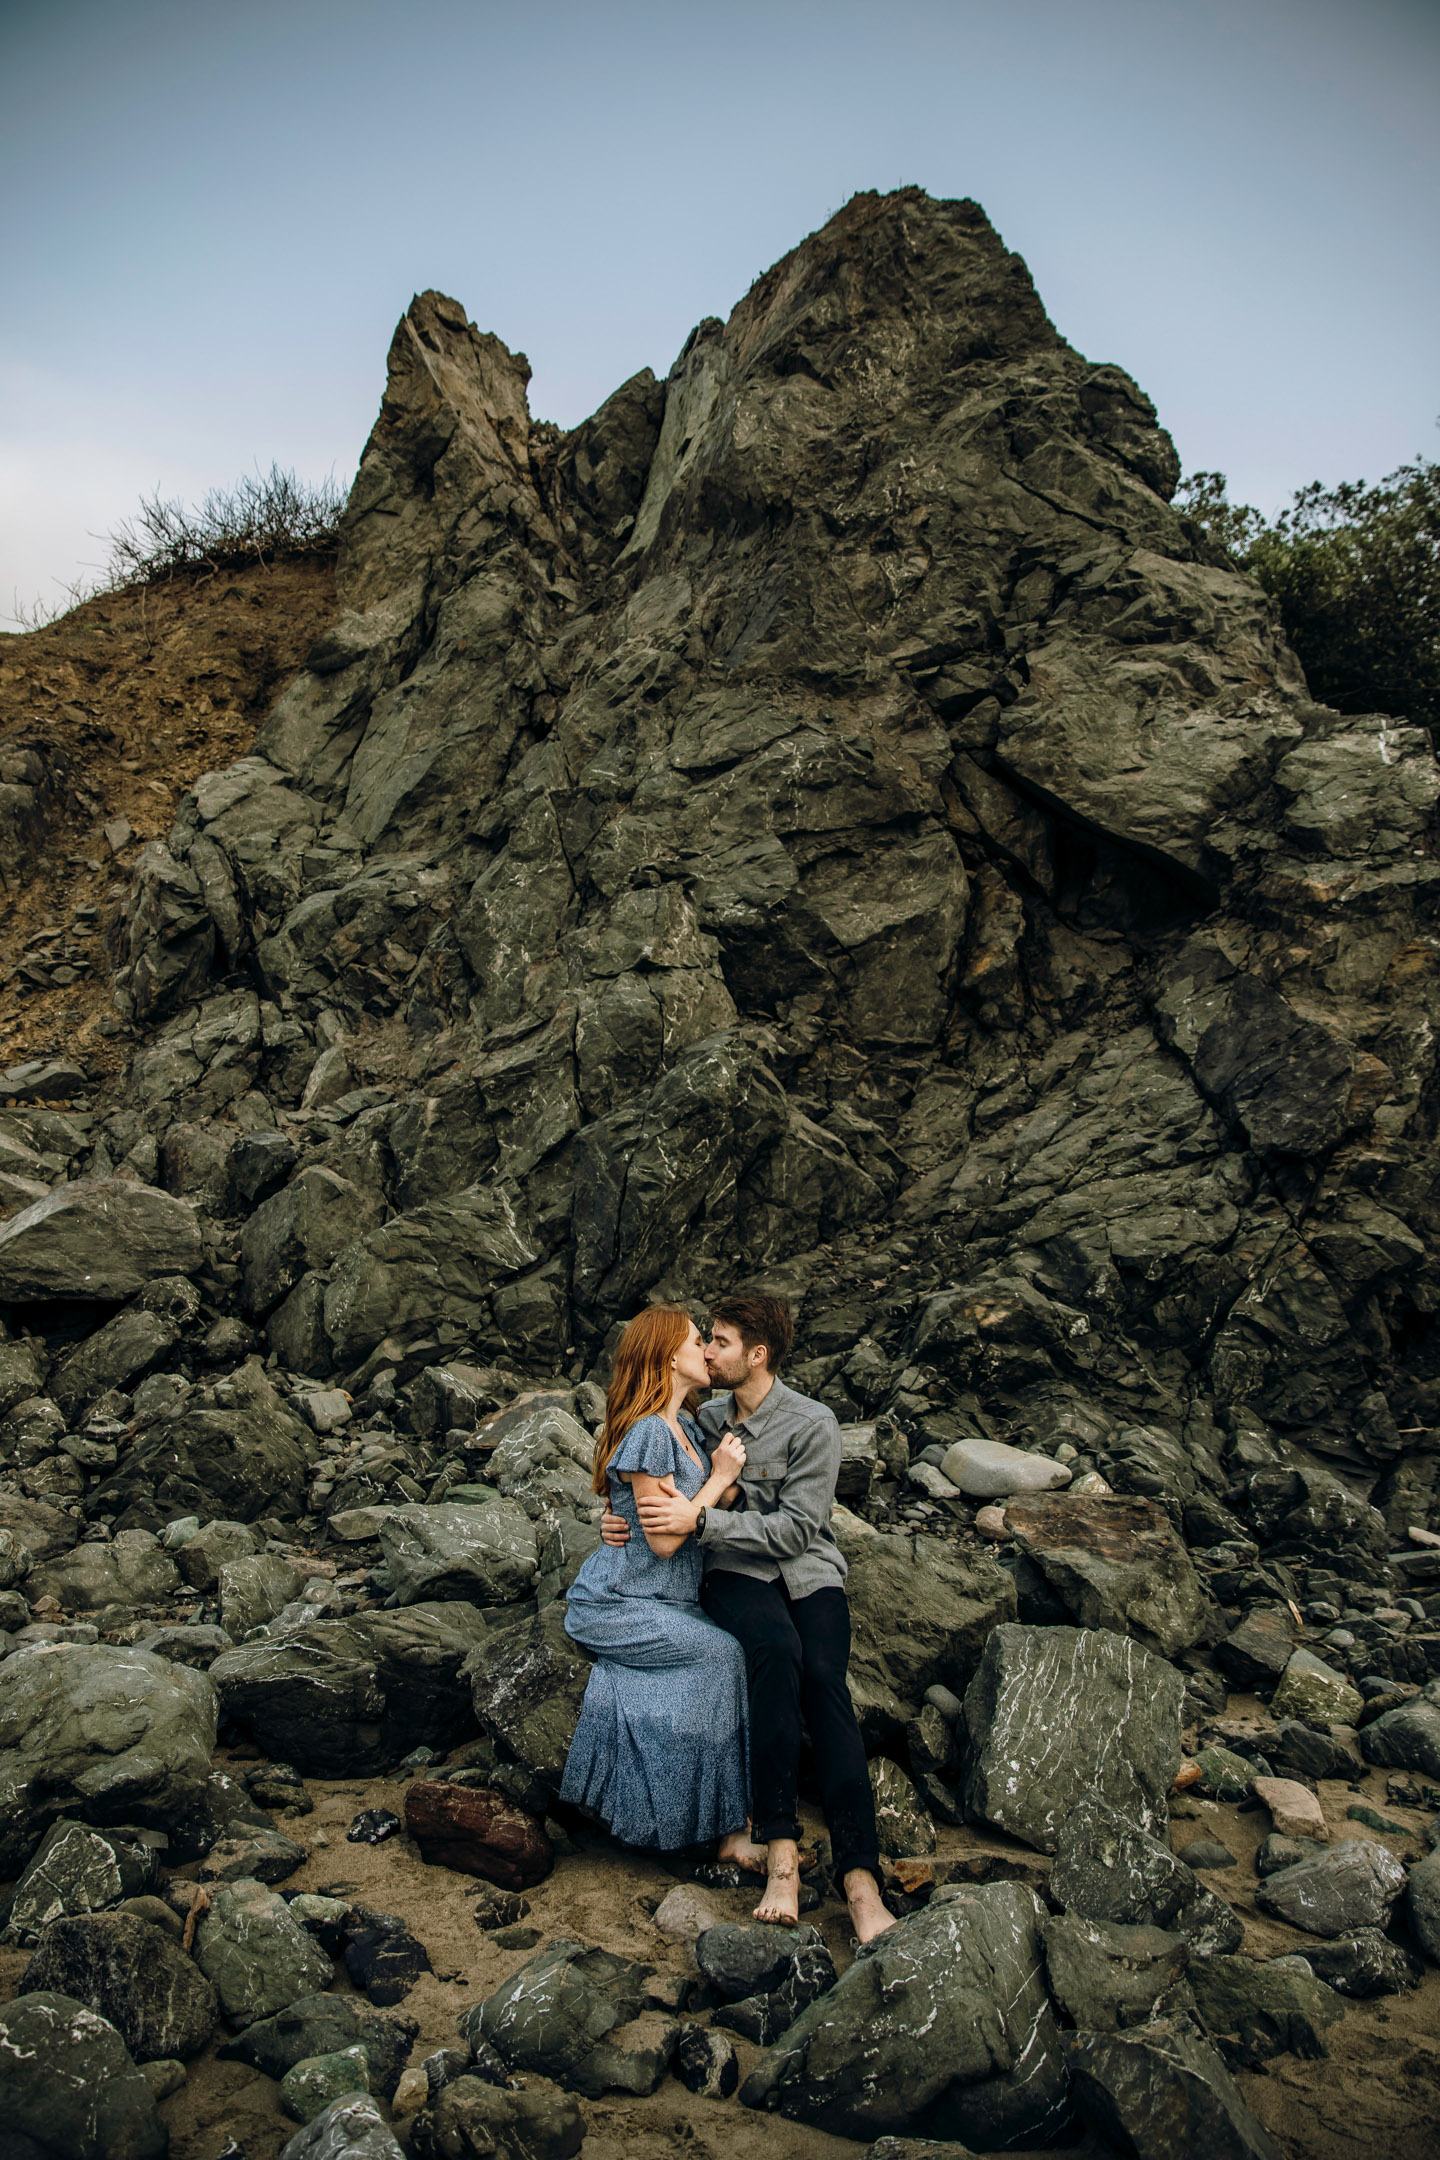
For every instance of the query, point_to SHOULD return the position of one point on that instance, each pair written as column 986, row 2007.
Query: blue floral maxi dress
column 662, row 1749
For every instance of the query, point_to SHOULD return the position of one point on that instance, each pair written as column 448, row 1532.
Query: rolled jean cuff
column 845, row 1863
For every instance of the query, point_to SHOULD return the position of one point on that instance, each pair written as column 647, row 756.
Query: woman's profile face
column 690, row 1363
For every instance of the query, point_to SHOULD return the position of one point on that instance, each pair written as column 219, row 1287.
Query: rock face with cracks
column 829, row 794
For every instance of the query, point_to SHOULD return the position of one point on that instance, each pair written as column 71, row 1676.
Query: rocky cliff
column 824, row 820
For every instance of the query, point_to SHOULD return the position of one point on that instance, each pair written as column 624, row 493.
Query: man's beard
column 728, row 1372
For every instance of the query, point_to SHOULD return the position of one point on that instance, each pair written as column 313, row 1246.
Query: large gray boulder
column 1115, row 1563
column 1346, row 1886
column 1055, row 1714
column 135, row 1975
column 1407, row 1738
column 470, row 2116
column 1253, row 2011
column 351, row 2128
column 920, row 1615
column 581, row 2016
column 1106, row 1977
column 527, row 1683
column 327, row 2025
column 1422, row 1904
column 93, row 1576
column 348, row 1698
column 239, row 1461
column 101, row 1238
column 77, row 1869
column 485, row 1555
column 256, row 1955
column 67, row 2082
column 1106, row 1869
column 941, row 2026
column 115, row 1356
column 1163, row 2089
column 113, row 1734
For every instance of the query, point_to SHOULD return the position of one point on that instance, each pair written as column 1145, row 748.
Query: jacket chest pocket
column 763, row 1476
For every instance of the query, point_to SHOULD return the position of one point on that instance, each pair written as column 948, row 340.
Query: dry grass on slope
column 127, row 700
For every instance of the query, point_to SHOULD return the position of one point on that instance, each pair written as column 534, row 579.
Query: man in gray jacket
column 774, row 1579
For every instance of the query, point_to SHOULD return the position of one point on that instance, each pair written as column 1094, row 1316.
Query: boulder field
column 827, row 823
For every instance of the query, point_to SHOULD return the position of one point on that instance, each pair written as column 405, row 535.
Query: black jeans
column 796, row 1653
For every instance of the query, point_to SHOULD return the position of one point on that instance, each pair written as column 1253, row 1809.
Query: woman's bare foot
column 868, row 1913
column 741, row 1848
column 781, row 1901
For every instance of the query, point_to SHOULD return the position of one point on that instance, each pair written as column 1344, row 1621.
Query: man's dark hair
column 759, row 1319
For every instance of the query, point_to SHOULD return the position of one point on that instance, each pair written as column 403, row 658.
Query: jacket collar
column 759, row 1419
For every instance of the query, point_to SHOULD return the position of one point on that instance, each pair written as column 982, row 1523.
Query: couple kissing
column 716, row 1611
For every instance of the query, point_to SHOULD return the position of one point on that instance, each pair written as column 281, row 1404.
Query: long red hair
column 641, row 1379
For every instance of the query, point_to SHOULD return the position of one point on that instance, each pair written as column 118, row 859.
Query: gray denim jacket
column 780, row 1528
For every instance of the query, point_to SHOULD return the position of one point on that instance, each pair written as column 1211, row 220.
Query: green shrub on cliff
column 1356, row 571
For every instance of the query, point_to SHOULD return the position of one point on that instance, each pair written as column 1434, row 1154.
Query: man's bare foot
column 741, row 1848
column 868, row 1912
column 781, row 1901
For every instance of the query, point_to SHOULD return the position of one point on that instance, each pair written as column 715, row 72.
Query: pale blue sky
column 213, row 215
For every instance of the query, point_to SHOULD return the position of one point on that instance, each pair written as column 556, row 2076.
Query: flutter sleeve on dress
column 649, row 1447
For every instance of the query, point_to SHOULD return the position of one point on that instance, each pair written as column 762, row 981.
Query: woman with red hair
column 661, row 1752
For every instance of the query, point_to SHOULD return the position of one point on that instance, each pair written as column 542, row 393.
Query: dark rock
column 201, row 1557
column 1116, row 1563
column 386, row 1963
column 1364, row 1964
column 1105, row 1978
column 256, row 1956
column 342, row 1698
column 130, row 1973
column 499, row 1909
column 767, row 1976
column 351, row 2128
column 527, row 1684
column 67, row 2082
column 77, row 1869
column 311, row 2087
column 372, row 1826
column 325, row 2025
column 579, row 2016
column 243, row 1463
column 1257, row 1652
column 1106, row 1870
column 1056, row 1713
column 197, row 1644
column 1422, row 1904
column 115, row 1356
column 1407, row 1738
column 706, row 2063
column 113, row 1734
column 950, row 1600
column 486, row 1554
column 1276, row 1852
column 1299, row 1751
column 443, row 2067
column 265, row 1856
column 1254, row 2011
column 1223, row 1774
column 470, row 2119
column 941, row 2026
column 1206, row 1853
column 102, row 1239
column 477, row 1832
column 1162, row 2088
column 93, row 1576
column 1343, row 1887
